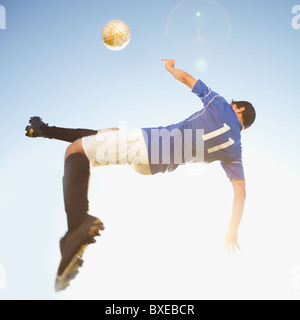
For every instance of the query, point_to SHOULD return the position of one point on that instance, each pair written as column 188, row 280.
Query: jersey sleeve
column 206, row 94
column 234, row 169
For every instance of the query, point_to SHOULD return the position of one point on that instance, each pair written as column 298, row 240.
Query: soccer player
column 211, row 134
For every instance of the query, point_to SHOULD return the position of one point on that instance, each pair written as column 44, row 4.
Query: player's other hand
column 169, row 63
column 231, row 242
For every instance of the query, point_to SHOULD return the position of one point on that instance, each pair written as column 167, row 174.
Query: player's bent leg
column 76, row 184
column 82, row 227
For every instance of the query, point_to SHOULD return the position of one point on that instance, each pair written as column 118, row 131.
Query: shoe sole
column 71, row 271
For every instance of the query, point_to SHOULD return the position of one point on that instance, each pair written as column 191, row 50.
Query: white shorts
column 118, row 148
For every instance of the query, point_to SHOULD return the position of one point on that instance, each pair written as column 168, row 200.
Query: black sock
column 75, row 186
column 68, row 135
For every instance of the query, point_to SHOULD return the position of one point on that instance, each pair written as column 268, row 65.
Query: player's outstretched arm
column 178, row 74
column 231, row 236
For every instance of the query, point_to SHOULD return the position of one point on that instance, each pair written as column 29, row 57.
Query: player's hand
column 231, row 242
column 169, row 63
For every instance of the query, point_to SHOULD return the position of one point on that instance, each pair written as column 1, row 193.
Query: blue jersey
column 212, row 134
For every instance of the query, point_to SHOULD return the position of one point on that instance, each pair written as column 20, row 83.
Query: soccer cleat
column 34, row 130
column 72, row 247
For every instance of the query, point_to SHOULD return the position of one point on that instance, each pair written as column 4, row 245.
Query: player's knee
column 75, row 147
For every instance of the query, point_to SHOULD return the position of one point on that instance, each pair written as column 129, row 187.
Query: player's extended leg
column 82, row 227
column 39, row 129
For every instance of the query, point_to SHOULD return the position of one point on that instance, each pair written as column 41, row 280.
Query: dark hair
column 249, row 114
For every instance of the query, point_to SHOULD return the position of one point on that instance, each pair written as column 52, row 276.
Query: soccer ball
column 116, row 35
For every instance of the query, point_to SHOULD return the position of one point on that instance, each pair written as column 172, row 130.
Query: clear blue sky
column 53, row 64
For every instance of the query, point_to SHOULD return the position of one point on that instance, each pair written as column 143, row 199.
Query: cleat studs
column 95, row 233
column 79, row 262
column 99, row 224
column 92, row 241
column 72, row 275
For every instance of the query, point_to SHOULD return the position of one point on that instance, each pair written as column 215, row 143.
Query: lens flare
column 199, row 25
column 201, row 65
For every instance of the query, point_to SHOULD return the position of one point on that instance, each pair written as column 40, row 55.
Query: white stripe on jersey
column 221, row 146
column 216, row 133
